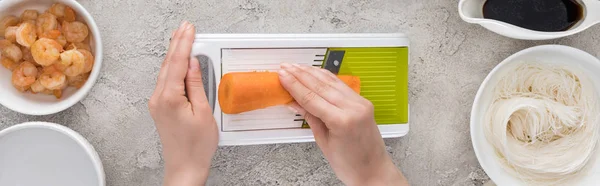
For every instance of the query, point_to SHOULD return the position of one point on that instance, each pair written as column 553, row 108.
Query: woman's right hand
column 343, row 124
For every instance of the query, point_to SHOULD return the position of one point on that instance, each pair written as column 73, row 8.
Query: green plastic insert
column 384, row 79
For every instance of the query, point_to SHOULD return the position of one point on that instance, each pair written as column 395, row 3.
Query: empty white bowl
column 38, row 104
column 40, row 153
column 550, row 54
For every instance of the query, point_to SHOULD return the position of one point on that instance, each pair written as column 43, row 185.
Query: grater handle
column 214, row 61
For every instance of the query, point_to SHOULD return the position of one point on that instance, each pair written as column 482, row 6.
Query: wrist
column 391, row 175
column 386, row 174
column 185, row 176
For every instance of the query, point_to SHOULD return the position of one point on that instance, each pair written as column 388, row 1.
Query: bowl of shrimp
column 51, row 55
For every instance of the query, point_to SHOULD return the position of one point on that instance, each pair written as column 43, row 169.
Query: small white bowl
column 550, row 54
column 38, row 104
column 471, row 11
column 40, row 153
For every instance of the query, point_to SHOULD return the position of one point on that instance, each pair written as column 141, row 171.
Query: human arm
column 182, row 115
column 343, row 125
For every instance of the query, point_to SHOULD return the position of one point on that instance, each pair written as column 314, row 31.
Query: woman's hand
column 182, row 115
column 343, row 124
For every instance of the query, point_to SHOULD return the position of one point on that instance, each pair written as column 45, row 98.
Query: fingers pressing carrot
column 246, row 91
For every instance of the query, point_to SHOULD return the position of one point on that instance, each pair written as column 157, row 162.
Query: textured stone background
column 450, row 58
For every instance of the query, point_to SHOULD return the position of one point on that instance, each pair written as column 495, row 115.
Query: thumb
column 194, row 86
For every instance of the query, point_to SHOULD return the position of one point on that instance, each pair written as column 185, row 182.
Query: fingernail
column 296, row 65
column 189, row 26
column 183, row 23
column 304, row 67
column 292, row 109
column 285, row 65
column 194, row 65
column 282, row 72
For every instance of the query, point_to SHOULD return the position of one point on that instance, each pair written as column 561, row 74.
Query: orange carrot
column 246, row 91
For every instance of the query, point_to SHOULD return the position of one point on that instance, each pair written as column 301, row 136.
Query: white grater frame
column 211, row 45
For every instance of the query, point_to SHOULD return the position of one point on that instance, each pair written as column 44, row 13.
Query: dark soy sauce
column 539, row 15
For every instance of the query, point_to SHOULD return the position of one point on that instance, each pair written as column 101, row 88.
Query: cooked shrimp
column 53, row 69
column 60, row 67
column 26, row 35
column 12, row 52
column 29, row 69
column 61, row 40
column 75, row 31
column 83, row 46
column 52, row 34
column 30, row 22
column 46, row 23
column 11, row 34
column 8, row 22
column 75, row 62
column 52, row 79
column 37, row 87
column 4, row 43
column 89, row 60
column 24, row 75
column 46, row 51
column 21, row 89
column 41, row 89
column 57, row 93
column 29, row 15
column 8, row 63
column 62, row 12
column 78, row 81
column 70, row 14
column 27, row 54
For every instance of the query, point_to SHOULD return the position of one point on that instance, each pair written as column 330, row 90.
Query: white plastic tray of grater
column 264, row 52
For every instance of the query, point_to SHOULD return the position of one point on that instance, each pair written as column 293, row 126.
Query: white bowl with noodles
column 39, row 104
column 546, row 54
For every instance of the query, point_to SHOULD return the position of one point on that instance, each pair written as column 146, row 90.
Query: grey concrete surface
column 450, row 58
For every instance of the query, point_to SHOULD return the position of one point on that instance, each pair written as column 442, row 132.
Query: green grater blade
column 384, row 78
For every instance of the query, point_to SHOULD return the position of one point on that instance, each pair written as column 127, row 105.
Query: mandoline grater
column 380, row 60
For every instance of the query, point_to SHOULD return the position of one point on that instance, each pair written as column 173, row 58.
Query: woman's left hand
column 183, row 117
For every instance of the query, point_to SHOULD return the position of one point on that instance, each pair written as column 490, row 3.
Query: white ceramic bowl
column 471, row 12
column 551, row 54
column 39, row 153
column 38, row 104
